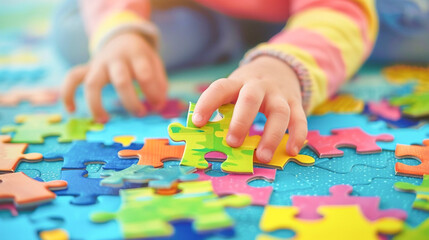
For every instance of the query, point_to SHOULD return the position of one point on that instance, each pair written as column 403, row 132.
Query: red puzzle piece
column 10, row 207
column 12, row 153
column 326, row 146
column 154, row 152
column 30, row 192
column 238, row 184
column 420, row 153
column 340, row 195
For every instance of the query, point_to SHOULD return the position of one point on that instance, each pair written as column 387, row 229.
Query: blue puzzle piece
column 81, row 153
column 75, row 219
column 148, row 127
column 19, row 227
column 45, row 170
column 86, row 190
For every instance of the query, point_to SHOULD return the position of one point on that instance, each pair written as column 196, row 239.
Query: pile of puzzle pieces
column 162, row 177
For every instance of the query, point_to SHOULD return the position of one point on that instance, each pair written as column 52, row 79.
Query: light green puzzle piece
column 419, row 233
column 415, row 104
column 211, row 138
column 422, row 192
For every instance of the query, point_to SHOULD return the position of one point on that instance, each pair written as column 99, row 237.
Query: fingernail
column 265, row 155
column 295, row 150
column 232, row 140
column 197, row 117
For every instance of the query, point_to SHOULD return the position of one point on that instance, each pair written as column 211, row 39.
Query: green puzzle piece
column 211, row 138
column 145, row 214
column 421, row 232
column 422, row 192
column 34, row 128
column 157, row 177
column 415, row 104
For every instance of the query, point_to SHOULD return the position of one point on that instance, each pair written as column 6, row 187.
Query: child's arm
column 122, row 45
column 323, row 44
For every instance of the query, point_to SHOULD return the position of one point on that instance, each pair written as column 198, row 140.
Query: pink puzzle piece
column 340, row 195
column 172, row 109
column 385, row 110
column 326, row 146
column 10, row 207
column 238, row 184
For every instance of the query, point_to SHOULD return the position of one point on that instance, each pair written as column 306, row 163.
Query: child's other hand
column 265, row 84
column 123, row 58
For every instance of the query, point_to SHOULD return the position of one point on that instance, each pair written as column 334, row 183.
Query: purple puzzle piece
column 340, row 195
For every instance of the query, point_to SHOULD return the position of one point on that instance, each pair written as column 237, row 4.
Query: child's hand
column 268, row 85
column 125, row 57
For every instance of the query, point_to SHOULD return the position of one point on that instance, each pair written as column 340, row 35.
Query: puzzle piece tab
column 326, row 146
column 338, row 222
column 145, row 214
column 238, row 184
column 31, row 192
column 211, row 138
column 157, row 177
column 154, row 152
column 421, row 232
column 340, row 104
column 340, row 195
column 420, row 153
column 12, row 153
column 422, row 192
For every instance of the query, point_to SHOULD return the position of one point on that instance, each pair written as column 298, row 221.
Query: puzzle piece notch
column 338, row 222
column 420, row 153
column 31, row 192
column 422, row 192
column 144, row 214
column 420, row 232
column 157, row 177
column 326, row 146
column 238, row 183
column 340, row 195
column 37, row 97
column 344, row 103
column 12, row 153
column 86, row 190
column 154, row 152
column 211, row 138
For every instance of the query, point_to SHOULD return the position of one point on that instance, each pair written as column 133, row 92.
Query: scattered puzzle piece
column 31, row 192
column 340, row 195
column 345, row 103
column 56, row 234
column 326, row 146
column 422, row 192
column 37, row 97
column 211, row 138
column 415, row 105
column 82, row 153
column 157, row 177
column 420, row 153
column 338, row 222
column 401, row 74
column 154, row 152
column 238, row 184
column 421, row 232
column 385, row 110
column 145, row 214
column 34, row 128
column 86, row 190
column 124, row 140
column 10, row 207
column 12, row 153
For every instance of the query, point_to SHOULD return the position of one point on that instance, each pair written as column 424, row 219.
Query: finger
column 219, row 92
column 151, row 79
column 121, row 79
column 278, row 112
column 94, row 82
column 297, row 129
column 247, row 106
column 71, row 82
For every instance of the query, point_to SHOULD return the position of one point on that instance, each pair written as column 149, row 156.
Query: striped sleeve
column 325, row 42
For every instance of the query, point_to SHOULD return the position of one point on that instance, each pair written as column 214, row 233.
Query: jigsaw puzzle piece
column 37, row 97
column 76, row 129
column 86, row 190
column 45, row 170
column 341, row 196
column 338, row 222
column 422, row 192
column 238, row 183
column 154, row 152
column 420, row 153
column 10, row 207
column 420, row 232
column 12, row 153
column 31, row 192
column 327, row 146
column 384, row 109
column 56, row 234
column 344, row 103
column 157, row 177
column 414, row 105
column 125, row 140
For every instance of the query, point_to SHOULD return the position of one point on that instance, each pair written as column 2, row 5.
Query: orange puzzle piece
column 154, row 152
column 12, row 153
column 420, row 153
column 25, row 191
